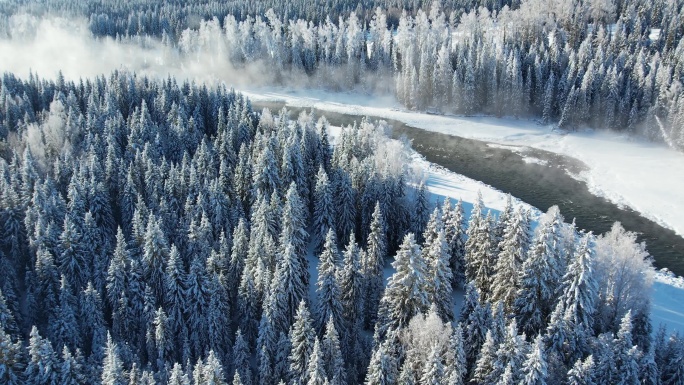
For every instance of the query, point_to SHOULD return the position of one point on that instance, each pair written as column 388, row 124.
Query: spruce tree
column 316, row 368
column 241, row 359
column 534, row 371
column 302, row 338
column 112, row 366
column 327, row 288
column 323, row 212
column 406, row 294
column 372, row 263
column 513, row 248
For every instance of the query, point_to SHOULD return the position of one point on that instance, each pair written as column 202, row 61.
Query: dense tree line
column 596, row 63
column 155, row 232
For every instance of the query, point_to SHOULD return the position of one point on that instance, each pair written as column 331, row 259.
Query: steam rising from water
column 47, row 46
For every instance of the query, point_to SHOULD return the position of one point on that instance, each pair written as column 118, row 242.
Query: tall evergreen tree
column 327, row 288
column 323, row 211
column 405, row 295
column 372, row 263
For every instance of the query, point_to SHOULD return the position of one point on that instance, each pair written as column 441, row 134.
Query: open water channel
column 541, row 184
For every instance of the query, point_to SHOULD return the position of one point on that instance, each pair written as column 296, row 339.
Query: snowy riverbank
column 629, row 172
column 667, row 291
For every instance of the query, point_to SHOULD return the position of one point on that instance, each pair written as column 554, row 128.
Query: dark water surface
column 539, row 185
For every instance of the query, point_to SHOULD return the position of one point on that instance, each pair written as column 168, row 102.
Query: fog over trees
column 161, row 231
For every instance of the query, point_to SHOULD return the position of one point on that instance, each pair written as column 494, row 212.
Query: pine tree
column 455, row 361
column 197, row 301
column 213, row 371
column 351, row 285
column 64, row 328
column 345, row 217
column 155, row 253
column 485, row 360
column 626, row 354
column 372, row 263
column 580, row 288
column 332, row 355
column 316, row 368
column 437, row 258
column 302, row 338
column 327, row 288
column 175, row 298
column 405, row 295
column 241, row 356
column 177, row 376
column 93, row 326
column 11, row 360
column 534, row 371
column 294, row 232
column 238, row 255
column 72, row 260
column 539, row 278
column 116, row 273
column 323, row 213
column 582, row 373
column 43, row 364
column 7, row 321
column 454, row 231
column 433, row 374
column 292, row 286
column 70, row 372
column 477, row 323
column 382, row 369
column 479, row 249
column 513, row 248
column 112, row 366
column 422, row 212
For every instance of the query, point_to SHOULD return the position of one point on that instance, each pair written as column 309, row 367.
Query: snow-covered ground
column 645, row 177
column 667, row 290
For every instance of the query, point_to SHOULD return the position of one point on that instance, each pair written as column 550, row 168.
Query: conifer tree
column 582, row 373
column 351, row 285
column 323, row 212
column 372, row 263
column 294, row 231
column 433, row 374
column 538, row 280
column 405, row 295
column 112, row 366
column 534, row 371
column 70, row 371
column 302, row 338
column 316, row 368
column 327, row 288
column 116, row 273
column 382, row 369
column 513, row 248
column 454, row 231
column 42, row 367
column 11, row 360
column 63, row 328
column 332, row 355
column 479, row 250
column 580, row 288
column 241, row 360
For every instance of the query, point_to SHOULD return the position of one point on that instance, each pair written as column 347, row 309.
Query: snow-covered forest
column 596, row 63
column 157, row 230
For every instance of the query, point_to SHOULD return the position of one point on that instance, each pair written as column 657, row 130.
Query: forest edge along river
column 543, row 182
